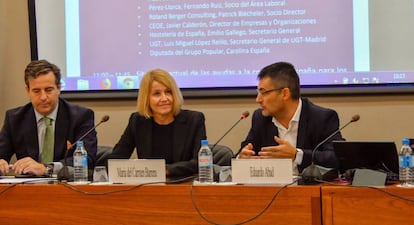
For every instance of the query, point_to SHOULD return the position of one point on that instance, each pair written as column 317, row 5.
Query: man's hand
column 4, row 167
column 248, row 152
column 29, row 165
column 283, row 150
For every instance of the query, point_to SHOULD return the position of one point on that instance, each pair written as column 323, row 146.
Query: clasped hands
column 23, row 166
column 283, row 150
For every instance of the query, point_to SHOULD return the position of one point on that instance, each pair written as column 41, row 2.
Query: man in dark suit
column 24, row 127
column 288, row 125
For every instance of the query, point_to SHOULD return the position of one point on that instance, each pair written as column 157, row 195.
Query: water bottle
column 406, row 172
column 80, row 163
column 205, row 163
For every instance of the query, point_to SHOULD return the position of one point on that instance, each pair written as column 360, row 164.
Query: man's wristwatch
column 49, row 169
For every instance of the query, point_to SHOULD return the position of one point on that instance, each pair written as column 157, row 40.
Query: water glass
column 100, row 174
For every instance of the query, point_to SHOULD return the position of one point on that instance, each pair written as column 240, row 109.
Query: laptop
column 375, row 155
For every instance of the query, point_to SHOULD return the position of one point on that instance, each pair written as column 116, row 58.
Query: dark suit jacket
column 188, row 131
column 315, row 124
column 19, row 132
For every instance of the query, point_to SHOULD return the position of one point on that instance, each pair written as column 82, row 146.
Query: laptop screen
column 375, row 155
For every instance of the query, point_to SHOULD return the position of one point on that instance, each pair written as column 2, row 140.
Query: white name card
column 136, row 171
column 262, row 171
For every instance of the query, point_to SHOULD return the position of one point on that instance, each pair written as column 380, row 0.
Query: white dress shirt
column 290, row 134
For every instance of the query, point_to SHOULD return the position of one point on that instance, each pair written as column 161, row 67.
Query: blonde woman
column 161, row 129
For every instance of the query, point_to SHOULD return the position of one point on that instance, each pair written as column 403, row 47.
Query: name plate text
column 262, row 171
column 136, row 171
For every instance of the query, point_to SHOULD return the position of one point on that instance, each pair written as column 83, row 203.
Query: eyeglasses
column 265, row 92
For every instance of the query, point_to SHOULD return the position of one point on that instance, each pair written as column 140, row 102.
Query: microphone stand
column 64, row 173
column 243, row 116
column 225, row 133
column 313, row 173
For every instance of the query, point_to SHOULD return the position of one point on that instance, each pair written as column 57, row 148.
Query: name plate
column 262, row 171
column 136, row 171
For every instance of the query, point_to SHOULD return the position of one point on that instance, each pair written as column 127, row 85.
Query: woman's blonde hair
column 144, row 92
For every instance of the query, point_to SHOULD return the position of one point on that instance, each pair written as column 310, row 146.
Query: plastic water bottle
column 406, row 172
column 80, row 163
column 205, row 163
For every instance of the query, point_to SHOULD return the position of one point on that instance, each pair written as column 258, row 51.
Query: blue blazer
column 19, row 132
column 188, row 130
column 315, row 124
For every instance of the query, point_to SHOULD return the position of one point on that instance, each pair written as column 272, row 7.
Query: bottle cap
column 406, row 141
column 204, row 142
column 79, row 143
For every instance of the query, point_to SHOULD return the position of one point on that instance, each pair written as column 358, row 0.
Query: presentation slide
column 109, row 45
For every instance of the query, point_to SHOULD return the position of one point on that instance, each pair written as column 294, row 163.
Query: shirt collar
column 295, row 117
column 52, row 115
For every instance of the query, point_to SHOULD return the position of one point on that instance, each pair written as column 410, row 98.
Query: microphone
column 244, row 115
column 216, row 171
column 64, row 173
column 103, row 120
column 313, row 172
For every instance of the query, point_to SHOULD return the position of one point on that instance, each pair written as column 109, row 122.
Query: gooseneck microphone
column 243, row 116
column 103, row 120
column 64, row 173
column 313, row 172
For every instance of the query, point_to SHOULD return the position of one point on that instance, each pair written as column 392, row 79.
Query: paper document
column 13, row 180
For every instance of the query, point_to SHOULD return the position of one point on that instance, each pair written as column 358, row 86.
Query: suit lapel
column 179, row 137
column 62, row 120
column 145, row 133
column 31, row 136
column 303, row 123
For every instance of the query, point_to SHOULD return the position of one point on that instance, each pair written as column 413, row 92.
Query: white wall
column 14, row 53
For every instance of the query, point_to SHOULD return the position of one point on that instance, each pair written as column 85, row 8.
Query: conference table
column 185, row 203
column 367, row 205
column 159, row 204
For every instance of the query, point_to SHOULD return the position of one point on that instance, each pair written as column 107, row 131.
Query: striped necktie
column 48, row 141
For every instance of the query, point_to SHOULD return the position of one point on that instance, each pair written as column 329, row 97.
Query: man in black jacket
column 287, row 125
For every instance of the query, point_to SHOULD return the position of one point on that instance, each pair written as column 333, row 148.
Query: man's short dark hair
column 39, row 67
column 282, row 74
